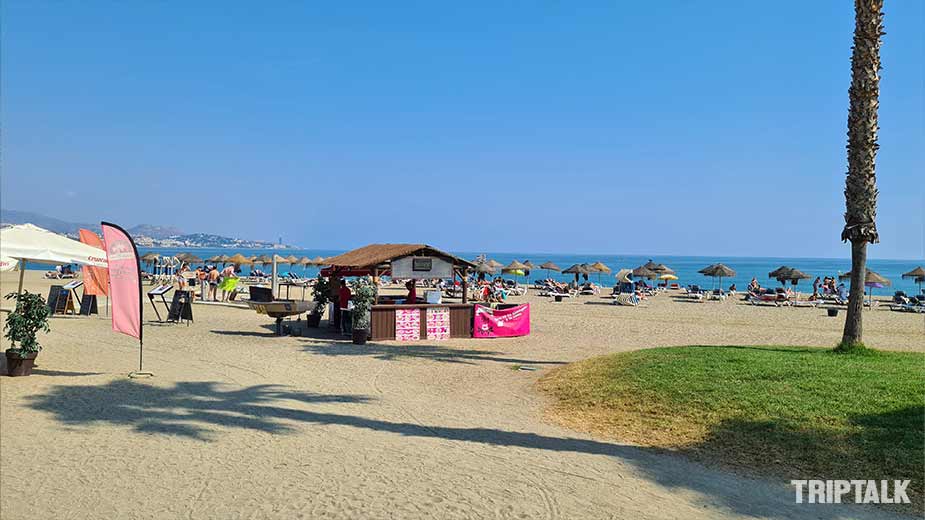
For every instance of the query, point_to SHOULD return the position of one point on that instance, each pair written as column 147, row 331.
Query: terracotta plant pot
column 17, row 365
column 360, row 336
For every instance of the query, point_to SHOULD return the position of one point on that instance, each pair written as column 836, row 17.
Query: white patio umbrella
column 7, row 263
column 30, row 243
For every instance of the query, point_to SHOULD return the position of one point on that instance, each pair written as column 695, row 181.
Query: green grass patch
column 788, row 411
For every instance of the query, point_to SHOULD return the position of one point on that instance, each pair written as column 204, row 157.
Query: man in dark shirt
column 343, row 299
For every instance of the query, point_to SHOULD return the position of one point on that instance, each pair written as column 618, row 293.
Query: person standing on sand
column 343, row 301
column 202, row 278
column 227, row 274
column 213, row 283
column 412, row 292
column 816, row 283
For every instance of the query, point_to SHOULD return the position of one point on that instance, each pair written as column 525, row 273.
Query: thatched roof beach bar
column 404, row 261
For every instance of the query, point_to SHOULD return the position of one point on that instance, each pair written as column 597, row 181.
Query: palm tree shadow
column 190, row 409
column 201, row 410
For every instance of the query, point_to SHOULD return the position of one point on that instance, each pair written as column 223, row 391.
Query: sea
column 685, row 267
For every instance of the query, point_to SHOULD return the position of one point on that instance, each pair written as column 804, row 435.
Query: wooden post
column 22, row 272
column 465, row 285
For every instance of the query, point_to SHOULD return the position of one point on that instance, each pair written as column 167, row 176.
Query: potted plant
column 322, row 291
column 364, row 296
column 28, row 318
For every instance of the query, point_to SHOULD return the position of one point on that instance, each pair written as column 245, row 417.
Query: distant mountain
column 155, row 231
column 10, row 216
column 146, row 235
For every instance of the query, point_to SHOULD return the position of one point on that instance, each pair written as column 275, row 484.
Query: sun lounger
column 627, row 299
column 694, row 292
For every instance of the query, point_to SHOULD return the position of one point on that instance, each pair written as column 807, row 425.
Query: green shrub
column 28, row 318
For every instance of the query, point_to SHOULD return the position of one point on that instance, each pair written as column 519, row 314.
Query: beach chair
column 627, row 299
column 694, row 292
column 517, row 290
column 718, row 294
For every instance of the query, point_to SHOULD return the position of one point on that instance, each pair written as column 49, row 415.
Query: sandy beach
column 238, row 423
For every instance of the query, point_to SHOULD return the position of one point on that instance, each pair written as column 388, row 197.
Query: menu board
column 421, row 267
column 407, row 324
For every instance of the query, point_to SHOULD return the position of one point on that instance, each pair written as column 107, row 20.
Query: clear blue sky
column 711, row 128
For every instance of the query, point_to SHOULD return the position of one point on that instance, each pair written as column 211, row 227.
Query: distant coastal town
column 145, row 235
column 204, row 240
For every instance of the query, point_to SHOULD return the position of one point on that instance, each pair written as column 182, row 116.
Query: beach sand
column 238, row 423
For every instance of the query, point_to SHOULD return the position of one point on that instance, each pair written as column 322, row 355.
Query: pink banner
column 124, row 280
column 407, row 324
column 96, row 279
column 438, row 323
column 502, row 323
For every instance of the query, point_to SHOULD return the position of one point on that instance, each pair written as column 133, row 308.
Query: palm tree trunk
column 853, row 325
column 861, row 181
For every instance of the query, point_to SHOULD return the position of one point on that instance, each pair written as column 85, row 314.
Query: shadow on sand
column 200, row 410
column 391, row 352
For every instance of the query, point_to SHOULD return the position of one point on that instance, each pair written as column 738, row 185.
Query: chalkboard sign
column 52, row 300
column 180, row 308
column 64, row 302
column 88, row 305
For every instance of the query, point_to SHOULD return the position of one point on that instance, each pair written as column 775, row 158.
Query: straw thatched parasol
column 318, row 260
column 192, row 259
column 529, row 265
column 577, row 270
column 239, row 259
column 650, row 265
column 776, row 274
column 644, row 272
column 550, row 266
column 795, row 275
column 484, row 267
column 263, row 259
column 305, row 261
column 280, row 259
column 718, row 271
column 292, row 259
column 600, row 267
column 496, row 264
column 149, row 258
column 872, row 280
column 870, row 277
column 516, row 268
column 663, row 269
column 623, row 275
column 917, row 274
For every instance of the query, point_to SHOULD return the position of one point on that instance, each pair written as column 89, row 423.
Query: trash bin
column 832, row 312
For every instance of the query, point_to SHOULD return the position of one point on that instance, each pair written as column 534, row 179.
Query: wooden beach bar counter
column 382, row 324
column 394, row 318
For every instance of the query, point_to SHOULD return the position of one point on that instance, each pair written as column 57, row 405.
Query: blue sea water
column 686, row 267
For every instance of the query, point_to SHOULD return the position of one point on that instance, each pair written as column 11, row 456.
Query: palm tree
column 861, row 181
